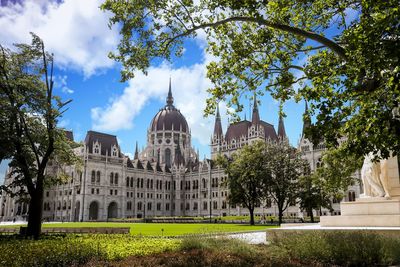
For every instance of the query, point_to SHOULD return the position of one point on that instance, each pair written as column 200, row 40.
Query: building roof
column 107, row 141
column 69, row 135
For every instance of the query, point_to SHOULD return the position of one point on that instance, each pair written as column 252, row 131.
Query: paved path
column 251, row 238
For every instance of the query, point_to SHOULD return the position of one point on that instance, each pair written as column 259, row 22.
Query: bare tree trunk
column 310, row 211
column 251, row 216
column 35, row 214
column 280, row 210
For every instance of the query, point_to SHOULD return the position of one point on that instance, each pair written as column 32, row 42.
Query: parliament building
column 165, row 179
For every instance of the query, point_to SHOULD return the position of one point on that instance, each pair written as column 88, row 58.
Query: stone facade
column 166, row 178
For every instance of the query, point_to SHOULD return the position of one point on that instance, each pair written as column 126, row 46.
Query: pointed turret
column 281, row 128
column 218, row 126
column 255, row 119
column 306, row 120
column 170, row 99
column 136, row 152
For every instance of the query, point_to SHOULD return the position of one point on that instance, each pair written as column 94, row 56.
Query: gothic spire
column 218, row 125
column 281, row 128
column 255, row 119
column 306, row 120
column 136, row 152
column 170, row 99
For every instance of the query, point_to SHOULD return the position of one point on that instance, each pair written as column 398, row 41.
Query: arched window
column 139, row 206
column 93, row 177
column 204, row 183
column 98, row 177
column 111, row 178
column 116, row 178
column 168, row 157
column 132, row 182
column 127, row 181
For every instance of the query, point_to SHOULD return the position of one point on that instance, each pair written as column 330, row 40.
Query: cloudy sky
column 76, row 32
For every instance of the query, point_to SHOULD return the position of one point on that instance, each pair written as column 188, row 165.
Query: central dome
column 169, row 117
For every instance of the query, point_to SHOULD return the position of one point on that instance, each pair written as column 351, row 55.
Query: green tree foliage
column 247, row 179
column 336, row 172
column 284, row 167
column 29, row 113
column 263, row 170
column 342, row 56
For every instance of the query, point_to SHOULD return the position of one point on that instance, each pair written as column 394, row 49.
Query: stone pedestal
column 368, row 212
column 371, row 211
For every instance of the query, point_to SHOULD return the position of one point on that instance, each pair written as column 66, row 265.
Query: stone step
column 360, row 221
column 371, row 206
column 395, row 191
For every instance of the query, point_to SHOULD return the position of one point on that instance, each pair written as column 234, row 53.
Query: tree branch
column 336, row 48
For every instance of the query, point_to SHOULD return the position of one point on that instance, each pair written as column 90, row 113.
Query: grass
column 307, row 248
column 165, row 229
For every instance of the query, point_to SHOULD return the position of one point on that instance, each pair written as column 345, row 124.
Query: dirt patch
column 195, row 257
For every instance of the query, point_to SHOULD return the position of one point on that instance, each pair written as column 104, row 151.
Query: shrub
column 346, row 248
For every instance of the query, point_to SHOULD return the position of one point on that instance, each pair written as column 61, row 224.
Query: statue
column 374, row 176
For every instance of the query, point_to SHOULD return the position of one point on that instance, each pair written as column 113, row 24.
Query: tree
column 284, row 167
column 341, row 55
column 246, row 176
column 336, row 172
column 311, row 196
column 29, row 115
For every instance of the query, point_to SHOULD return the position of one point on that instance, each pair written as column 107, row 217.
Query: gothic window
column 93, row 176
column 129, row 205
column 149, row 206
column 132, row 182
column 215, row 205
column 352, row 196
column 127, row 181
column 195, row 206
column 224, row 204
column 114, row 151
column 187, row 206
column 111, row 178
column 139, row 205
column 168, row 157
column 96, row 148
column 98, row 177
column 116, row 179
column 158, row 206
column 204, row 205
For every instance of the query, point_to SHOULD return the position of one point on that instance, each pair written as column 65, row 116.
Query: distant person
column 13, row 220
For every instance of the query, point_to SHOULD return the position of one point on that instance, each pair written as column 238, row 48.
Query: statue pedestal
column 371, row 211
column 368, row 212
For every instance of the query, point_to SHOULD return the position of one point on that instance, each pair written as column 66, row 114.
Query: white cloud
column 75, row 31
column 61, row 83
column 189, row 86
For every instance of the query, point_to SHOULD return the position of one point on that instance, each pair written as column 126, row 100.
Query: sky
column 76, row 32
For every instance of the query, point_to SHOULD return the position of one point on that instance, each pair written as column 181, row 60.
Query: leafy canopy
column 341, row 56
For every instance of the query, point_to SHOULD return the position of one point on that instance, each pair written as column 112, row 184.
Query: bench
column 9, row 231
column 87, row 230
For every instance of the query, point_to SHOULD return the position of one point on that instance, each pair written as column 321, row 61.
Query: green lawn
column 167, row 229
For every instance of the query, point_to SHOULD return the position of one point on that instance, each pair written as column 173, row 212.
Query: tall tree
column 336, row 172
column 342, row 55
column 246, row 176
column 29, row 114
column 284, row 167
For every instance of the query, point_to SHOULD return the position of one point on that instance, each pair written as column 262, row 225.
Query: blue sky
column 76, row 32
